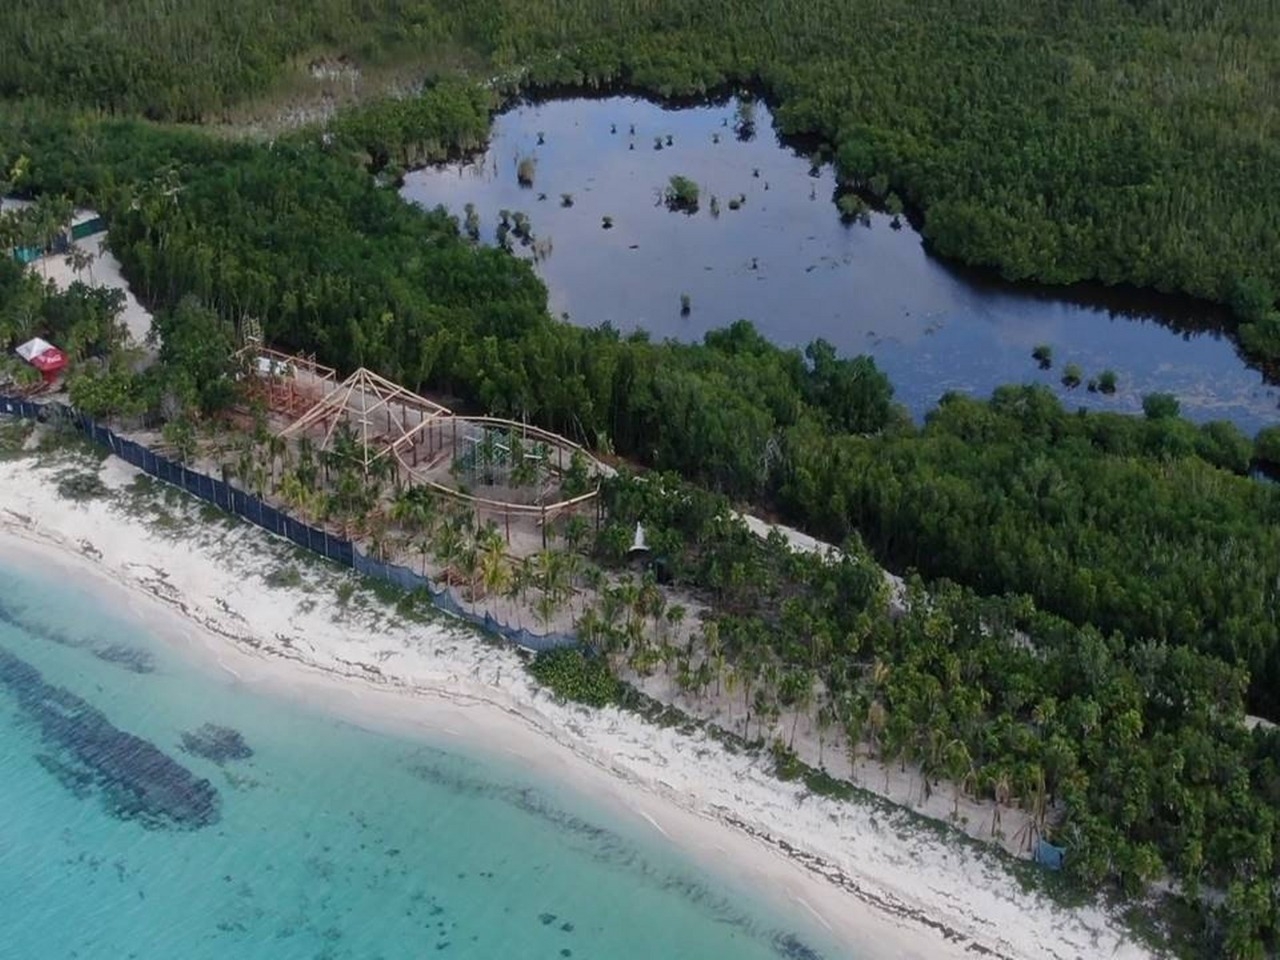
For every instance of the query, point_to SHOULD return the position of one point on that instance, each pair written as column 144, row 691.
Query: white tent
column 33, row 348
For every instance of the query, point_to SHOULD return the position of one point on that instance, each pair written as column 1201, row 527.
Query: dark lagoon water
column 131, row 828
column 785, row 261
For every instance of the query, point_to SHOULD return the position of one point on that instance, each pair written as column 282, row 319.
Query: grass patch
column 13, row 438
column 81, row 485
column 344, row 592
column 64, row 442
column 284, row 577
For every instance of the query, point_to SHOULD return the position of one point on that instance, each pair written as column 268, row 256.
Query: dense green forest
column 1115, row 521
column 1118, row 141
column 1103, row 519
column 1136, row 753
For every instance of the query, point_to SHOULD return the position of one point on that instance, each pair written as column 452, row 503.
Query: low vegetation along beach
column 945, row 665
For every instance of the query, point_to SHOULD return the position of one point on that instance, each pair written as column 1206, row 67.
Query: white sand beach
column 877, row 879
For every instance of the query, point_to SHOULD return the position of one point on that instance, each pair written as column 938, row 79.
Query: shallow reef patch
column 216, row 743
column 86, row 753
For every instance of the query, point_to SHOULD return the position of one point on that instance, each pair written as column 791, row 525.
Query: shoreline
column 877, row 883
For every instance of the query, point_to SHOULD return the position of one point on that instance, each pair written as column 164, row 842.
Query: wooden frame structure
column 412, row 436
column 384, row 416
column 541, row 512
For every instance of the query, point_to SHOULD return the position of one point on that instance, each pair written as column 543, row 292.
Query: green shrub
column 1160, row 406
column 851, row 207
column 525, row 171
column 1221, row 443
column 572, row 675
column 1266, row 447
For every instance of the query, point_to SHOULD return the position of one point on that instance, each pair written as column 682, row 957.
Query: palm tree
column 378, row 536
column 1002, row 788
column 762, row 704
column 798, row 686
column 825, row 719
column 676, row 614
column 589, row 628
column 546, row 606
column 853, row 740
column 79, row 259
column 296, row 495
column 469, row 557
column 549, row 575
column 712, row 648
column 494, row 570
column 572, row 564
column 652, row 601
column 959, row 770
column 448, row 543
column 306, row 461
column 576, row 530
column 876, row 721
column 424, row 545
column 517, row 584
column 404, row 509
column 278, row 450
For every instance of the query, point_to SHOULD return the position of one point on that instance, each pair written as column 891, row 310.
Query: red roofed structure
column 45, row 357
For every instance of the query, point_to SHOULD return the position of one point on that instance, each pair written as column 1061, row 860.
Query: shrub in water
column 682, row 194
column 1160, row 406
column 525, row 171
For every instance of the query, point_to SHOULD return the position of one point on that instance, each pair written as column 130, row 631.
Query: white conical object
column 638, row 543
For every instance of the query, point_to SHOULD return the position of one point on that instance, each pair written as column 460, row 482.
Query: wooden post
column 506, row 515
column 543, row 508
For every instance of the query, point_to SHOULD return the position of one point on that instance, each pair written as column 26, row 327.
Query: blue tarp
column 251, row 508
column 1050, row 856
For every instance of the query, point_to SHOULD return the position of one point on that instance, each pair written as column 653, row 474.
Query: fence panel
column 271, row 519
column 204, row 488
column 344, row 551
column 368, row 567
column 164, row 469
column 404, row 578
column 298, row 532
column 138, row 456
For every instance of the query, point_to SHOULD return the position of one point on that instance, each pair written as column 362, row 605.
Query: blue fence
column 261, row 514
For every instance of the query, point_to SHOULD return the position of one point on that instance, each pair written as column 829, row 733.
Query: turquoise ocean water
column 129, row 829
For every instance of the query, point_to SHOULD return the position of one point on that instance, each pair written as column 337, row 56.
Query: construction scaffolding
column 383, row 417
